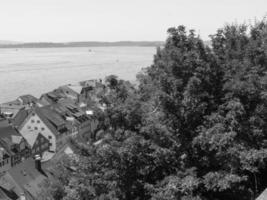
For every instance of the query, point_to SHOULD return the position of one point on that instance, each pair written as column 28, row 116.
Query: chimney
column 38, row 163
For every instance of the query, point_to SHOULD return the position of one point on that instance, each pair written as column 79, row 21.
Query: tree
column 195, row 128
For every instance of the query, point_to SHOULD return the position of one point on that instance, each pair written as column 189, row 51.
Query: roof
column 8, row 133
column 20, row 118
column 41, row 113
column 51, row 119
column 263, row 195
column 27, row 99
column 52, row 116
column 53, row 96
column 76, row 88
column 27, row 177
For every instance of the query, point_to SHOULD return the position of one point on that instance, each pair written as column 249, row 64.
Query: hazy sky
column 115, row 20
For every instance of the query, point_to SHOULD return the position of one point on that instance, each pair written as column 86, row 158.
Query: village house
column 29, row 101
column 5, row 160
column 73, row 114
column 71, row 91
column 42, row 127
column 52, row 97
column 14, row 148
column 32, row 123
column 38, row 143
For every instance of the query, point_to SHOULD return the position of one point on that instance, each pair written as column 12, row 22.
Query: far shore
column 85, row 44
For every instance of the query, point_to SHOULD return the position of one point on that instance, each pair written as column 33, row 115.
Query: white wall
column 35, row 125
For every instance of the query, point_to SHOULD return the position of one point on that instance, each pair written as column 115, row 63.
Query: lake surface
column 39, row 70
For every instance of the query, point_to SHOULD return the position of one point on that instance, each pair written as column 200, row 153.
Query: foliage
column 195, row 128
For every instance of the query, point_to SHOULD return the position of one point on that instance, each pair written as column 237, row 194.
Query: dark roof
column 52, row 116
column 27, row 99
column 20, row 118
column 52, row 119
column 7, row 131
column 53, row 96
column 28, row 177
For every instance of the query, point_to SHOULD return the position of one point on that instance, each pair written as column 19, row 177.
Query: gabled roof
column 45, row 120
column 52, row 116
column 20, row 118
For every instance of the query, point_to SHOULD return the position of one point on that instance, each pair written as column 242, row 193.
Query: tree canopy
column 194, row 129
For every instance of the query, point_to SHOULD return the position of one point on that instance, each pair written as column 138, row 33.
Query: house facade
column 35, row 124
column 5, row 160
column 13, row 147
column 40, row 145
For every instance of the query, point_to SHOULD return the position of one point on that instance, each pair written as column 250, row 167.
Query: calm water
column 36, row 71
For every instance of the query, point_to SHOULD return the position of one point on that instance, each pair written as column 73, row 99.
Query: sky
column 119, row 20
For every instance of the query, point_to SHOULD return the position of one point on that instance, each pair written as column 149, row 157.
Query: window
column 38, row 121
column 33, row 114
column 29, row 127
column 32, row 121
column 42, row 128
column 50, row 137
column 36, row 128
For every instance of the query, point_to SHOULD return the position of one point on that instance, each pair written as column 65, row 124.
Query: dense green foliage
column 195, row 128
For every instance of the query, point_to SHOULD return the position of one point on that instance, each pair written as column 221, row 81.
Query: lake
column 39, row 70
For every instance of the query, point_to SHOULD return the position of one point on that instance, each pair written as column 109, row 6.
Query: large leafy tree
column 195, row 128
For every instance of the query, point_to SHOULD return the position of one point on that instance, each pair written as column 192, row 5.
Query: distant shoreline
column 85, row 44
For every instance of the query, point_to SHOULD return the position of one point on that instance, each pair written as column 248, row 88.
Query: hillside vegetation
column 194, row 129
